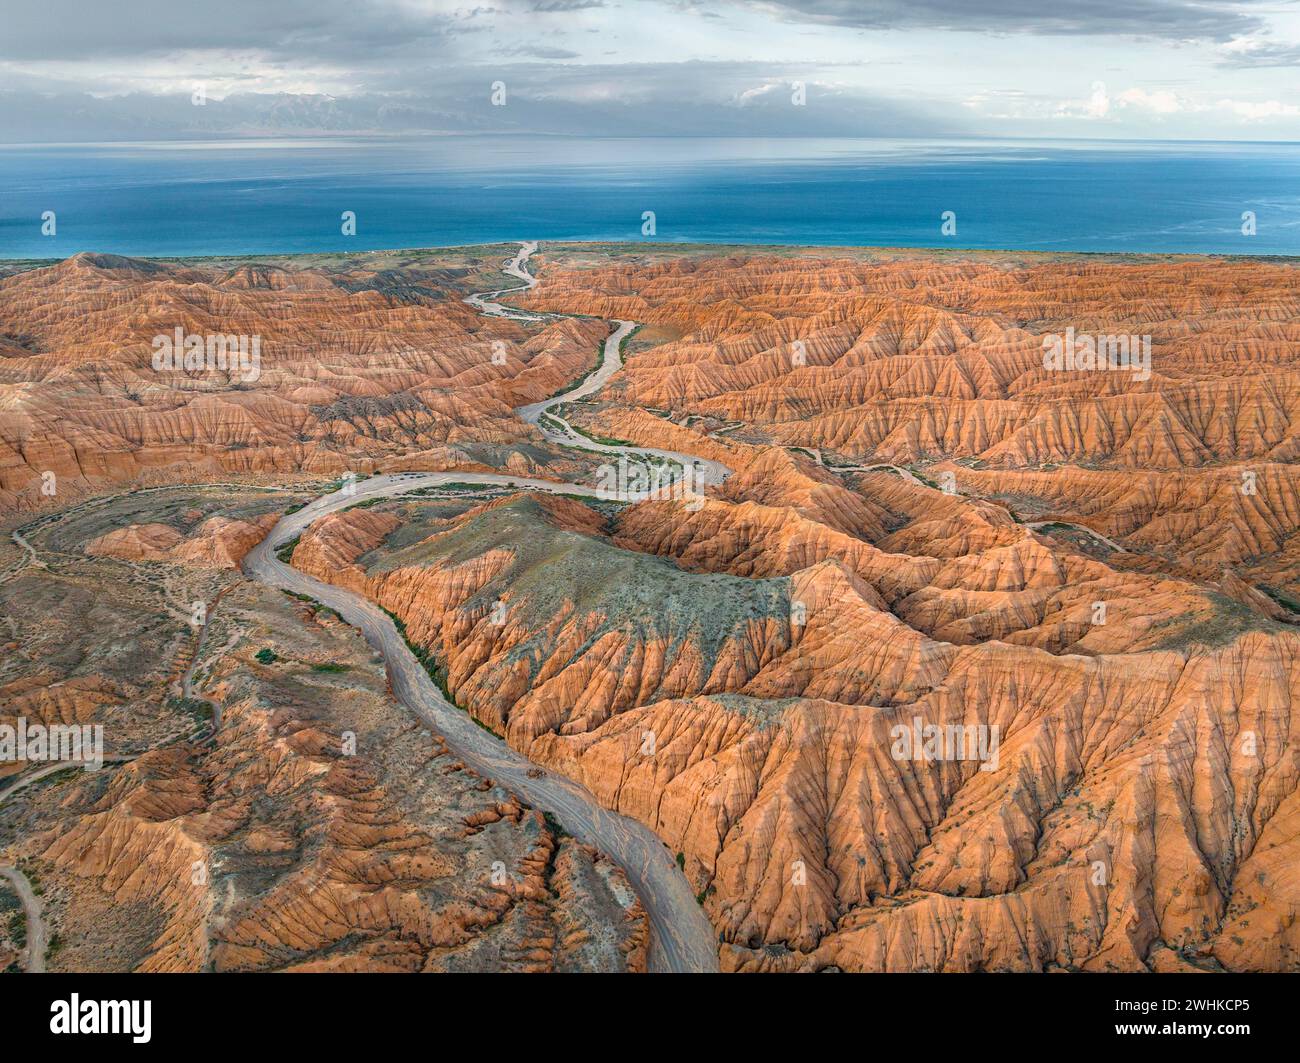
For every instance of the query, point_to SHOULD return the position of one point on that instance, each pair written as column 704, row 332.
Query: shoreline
column 661, row 247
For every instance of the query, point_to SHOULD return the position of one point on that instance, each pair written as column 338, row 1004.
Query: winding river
column 681, row 938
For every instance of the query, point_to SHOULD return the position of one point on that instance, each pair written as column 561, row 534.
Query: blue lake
column 264, row 196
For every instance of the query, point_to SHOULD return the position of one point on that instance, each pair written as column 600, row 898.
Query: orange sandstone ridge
column 922, row 358
column 355, row 366
column 1093, row 575
column 265, row 803
column 1136, row 815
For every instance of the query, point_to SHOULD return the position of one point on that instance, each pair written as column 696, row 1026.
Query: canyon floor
column 908, row 525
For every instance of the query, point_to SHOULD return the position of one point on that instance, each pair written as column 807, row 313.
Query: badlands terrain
column 919, row 525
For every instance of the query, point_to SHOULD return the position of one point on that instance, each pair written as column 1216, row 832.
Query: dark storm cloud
column 307, row 30
column 668, row 99
column 362, row 34
column 350, row 32
column 1260, row 53
column 289, row 29
column 1216, row 20
column 553, row 6
column 74, row 66
column 536, row 51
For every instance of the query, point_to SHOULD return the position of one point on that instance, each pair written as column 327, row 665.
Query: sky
column 75, row 70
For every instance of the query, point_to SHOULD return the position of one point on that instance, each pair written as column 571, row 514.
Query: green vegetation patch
column 199, row 709
column 284, row 553
column 1227, row 621
column 1284, row 600
column 555, row 570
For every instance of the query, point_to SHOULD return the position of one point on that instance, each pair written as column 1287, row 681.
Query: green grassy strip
column 436, row 673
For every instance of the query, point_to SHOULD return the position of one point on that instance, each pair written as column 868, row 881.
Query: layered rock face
column 905, row 358
column 308, row 369
column 971, row 664
column 102, row 621
column 1176, row 462
column 1120, row 805
column 321, row 831
column 219, row 543
column 946, row 363
column 317, row 828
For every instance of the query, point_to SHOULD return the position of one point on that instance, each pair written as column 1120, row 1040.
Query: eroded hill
column 970, row 664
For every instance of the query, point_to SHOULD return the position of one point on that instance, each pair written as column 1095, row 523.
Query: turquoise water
column 261, row 197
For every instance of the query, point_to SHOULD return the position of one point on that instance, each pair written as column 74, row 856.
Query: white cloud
column 1161, row 101
column 1259, row 51
column 1096, row 106
column 1259, row 111
column 1183, row 68
column 759, row 91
